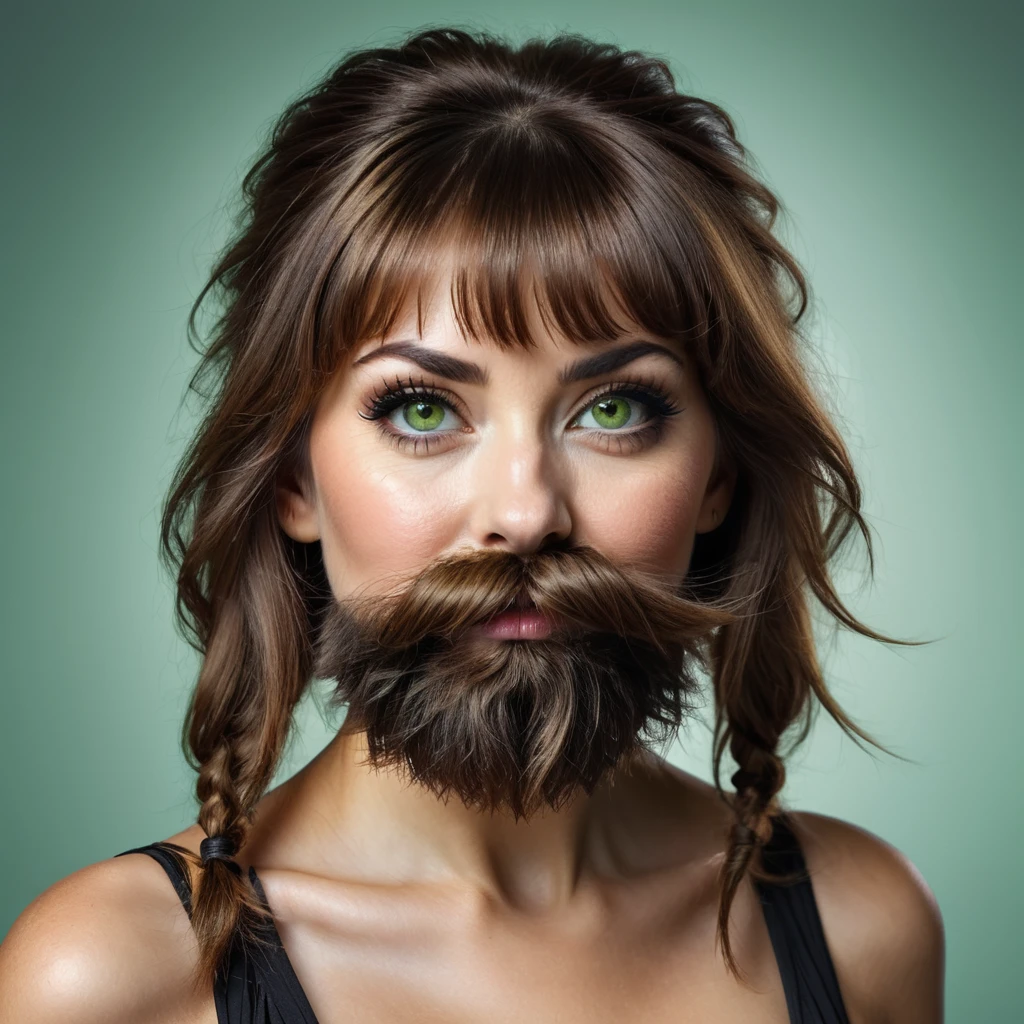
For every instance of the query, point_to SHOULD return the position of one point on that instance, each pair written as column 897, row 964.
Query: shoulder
column 110, row 942
column 881, row 921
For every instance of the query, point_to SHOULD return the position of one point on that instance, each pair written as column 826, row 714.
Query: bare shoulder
column 111, row 942
column 881, row 921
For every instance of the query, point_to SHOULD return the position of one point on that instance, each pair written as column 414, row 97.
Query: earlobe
column 717, row 499
column 296, row 512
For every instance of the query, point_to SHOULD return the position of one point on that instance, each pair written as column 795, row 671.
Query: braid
column 255, row 668
column 756, row 702
column 224, row 903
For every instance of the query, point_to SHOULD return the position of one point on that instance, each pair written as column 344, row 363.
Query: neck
column 349, row 819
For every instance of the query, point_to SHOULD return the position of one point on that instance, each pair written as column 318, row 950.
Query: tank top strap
column 286, row 1000
column 170, row 859
column 794, row 926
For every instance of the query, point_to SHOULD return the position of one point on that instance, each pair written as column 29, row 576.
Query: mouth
column 520, row 621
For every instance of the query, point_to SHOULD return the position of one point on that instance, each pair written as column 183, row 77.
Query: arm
column 110, row 943
column 881, row 921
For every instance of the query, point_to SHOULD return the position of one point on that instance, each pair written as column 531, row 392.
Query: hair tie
column 217, row 848
column 744, row 779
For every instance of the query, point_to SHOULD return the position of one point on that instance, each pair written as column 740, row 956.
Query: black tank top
column 258, row 984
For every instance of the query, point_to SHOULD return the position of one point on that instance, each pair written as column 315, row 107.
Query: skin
column 394, row 906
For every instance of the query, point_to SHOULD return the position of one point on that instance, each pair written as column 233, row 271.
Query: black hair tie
column 744, row 779
column 217, row 848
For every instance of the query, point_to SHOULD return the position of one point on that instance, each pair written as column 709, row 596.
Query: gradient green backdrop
column 892, row 133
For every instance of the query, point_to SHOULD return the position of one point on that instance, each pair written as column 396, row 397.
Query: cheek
column 374, row 522
column 648, row 518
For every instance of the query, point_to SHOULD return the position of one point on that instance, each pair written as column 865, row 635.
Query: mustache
column 579, row 588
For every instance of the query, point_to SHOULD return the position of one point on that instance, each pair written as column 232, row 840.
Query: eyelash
column 390, row 397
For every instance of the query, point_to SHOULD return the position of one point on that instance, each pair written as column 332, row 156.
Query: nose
column 520, row 494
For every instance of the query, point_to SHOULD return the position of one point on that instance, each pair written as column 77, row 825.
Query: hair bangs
column 590, row 230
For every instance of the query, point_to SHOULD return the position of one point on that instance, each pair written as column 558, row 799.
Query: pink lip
column 517, row 624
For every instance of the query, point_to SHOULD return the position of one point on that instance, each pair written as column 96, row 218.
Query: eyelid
column 608, row 387
column 407, row 390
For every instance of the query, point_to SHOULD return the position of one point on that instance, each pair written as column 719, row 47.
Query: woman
column 509, row 435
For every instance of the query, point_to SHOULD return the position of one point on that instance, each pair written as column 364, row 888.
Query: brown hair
column 582, row 163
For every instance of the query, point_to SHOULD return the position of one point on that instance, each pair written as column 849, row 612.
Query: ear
column 296, row 507
column 717, row 497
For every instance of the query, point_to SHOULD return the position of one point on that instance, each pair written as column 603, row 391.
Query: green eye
column 423, row 415
column 611, row 413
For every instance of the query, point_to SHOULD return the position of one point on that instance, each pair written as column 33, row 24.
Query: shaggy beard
column 515, row 724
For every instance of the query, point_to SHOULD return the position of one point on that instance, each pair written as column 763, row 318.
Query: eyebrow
column 463, row 372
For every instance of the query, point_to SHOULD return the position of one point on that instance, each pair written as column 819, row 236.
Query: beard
column 515, row 724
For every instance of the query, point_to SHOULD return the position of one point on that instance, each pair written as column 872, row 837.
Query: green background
column 891, row 132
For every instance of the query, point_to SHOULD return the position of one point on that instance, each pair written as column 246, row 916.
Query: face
column 482, row 462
